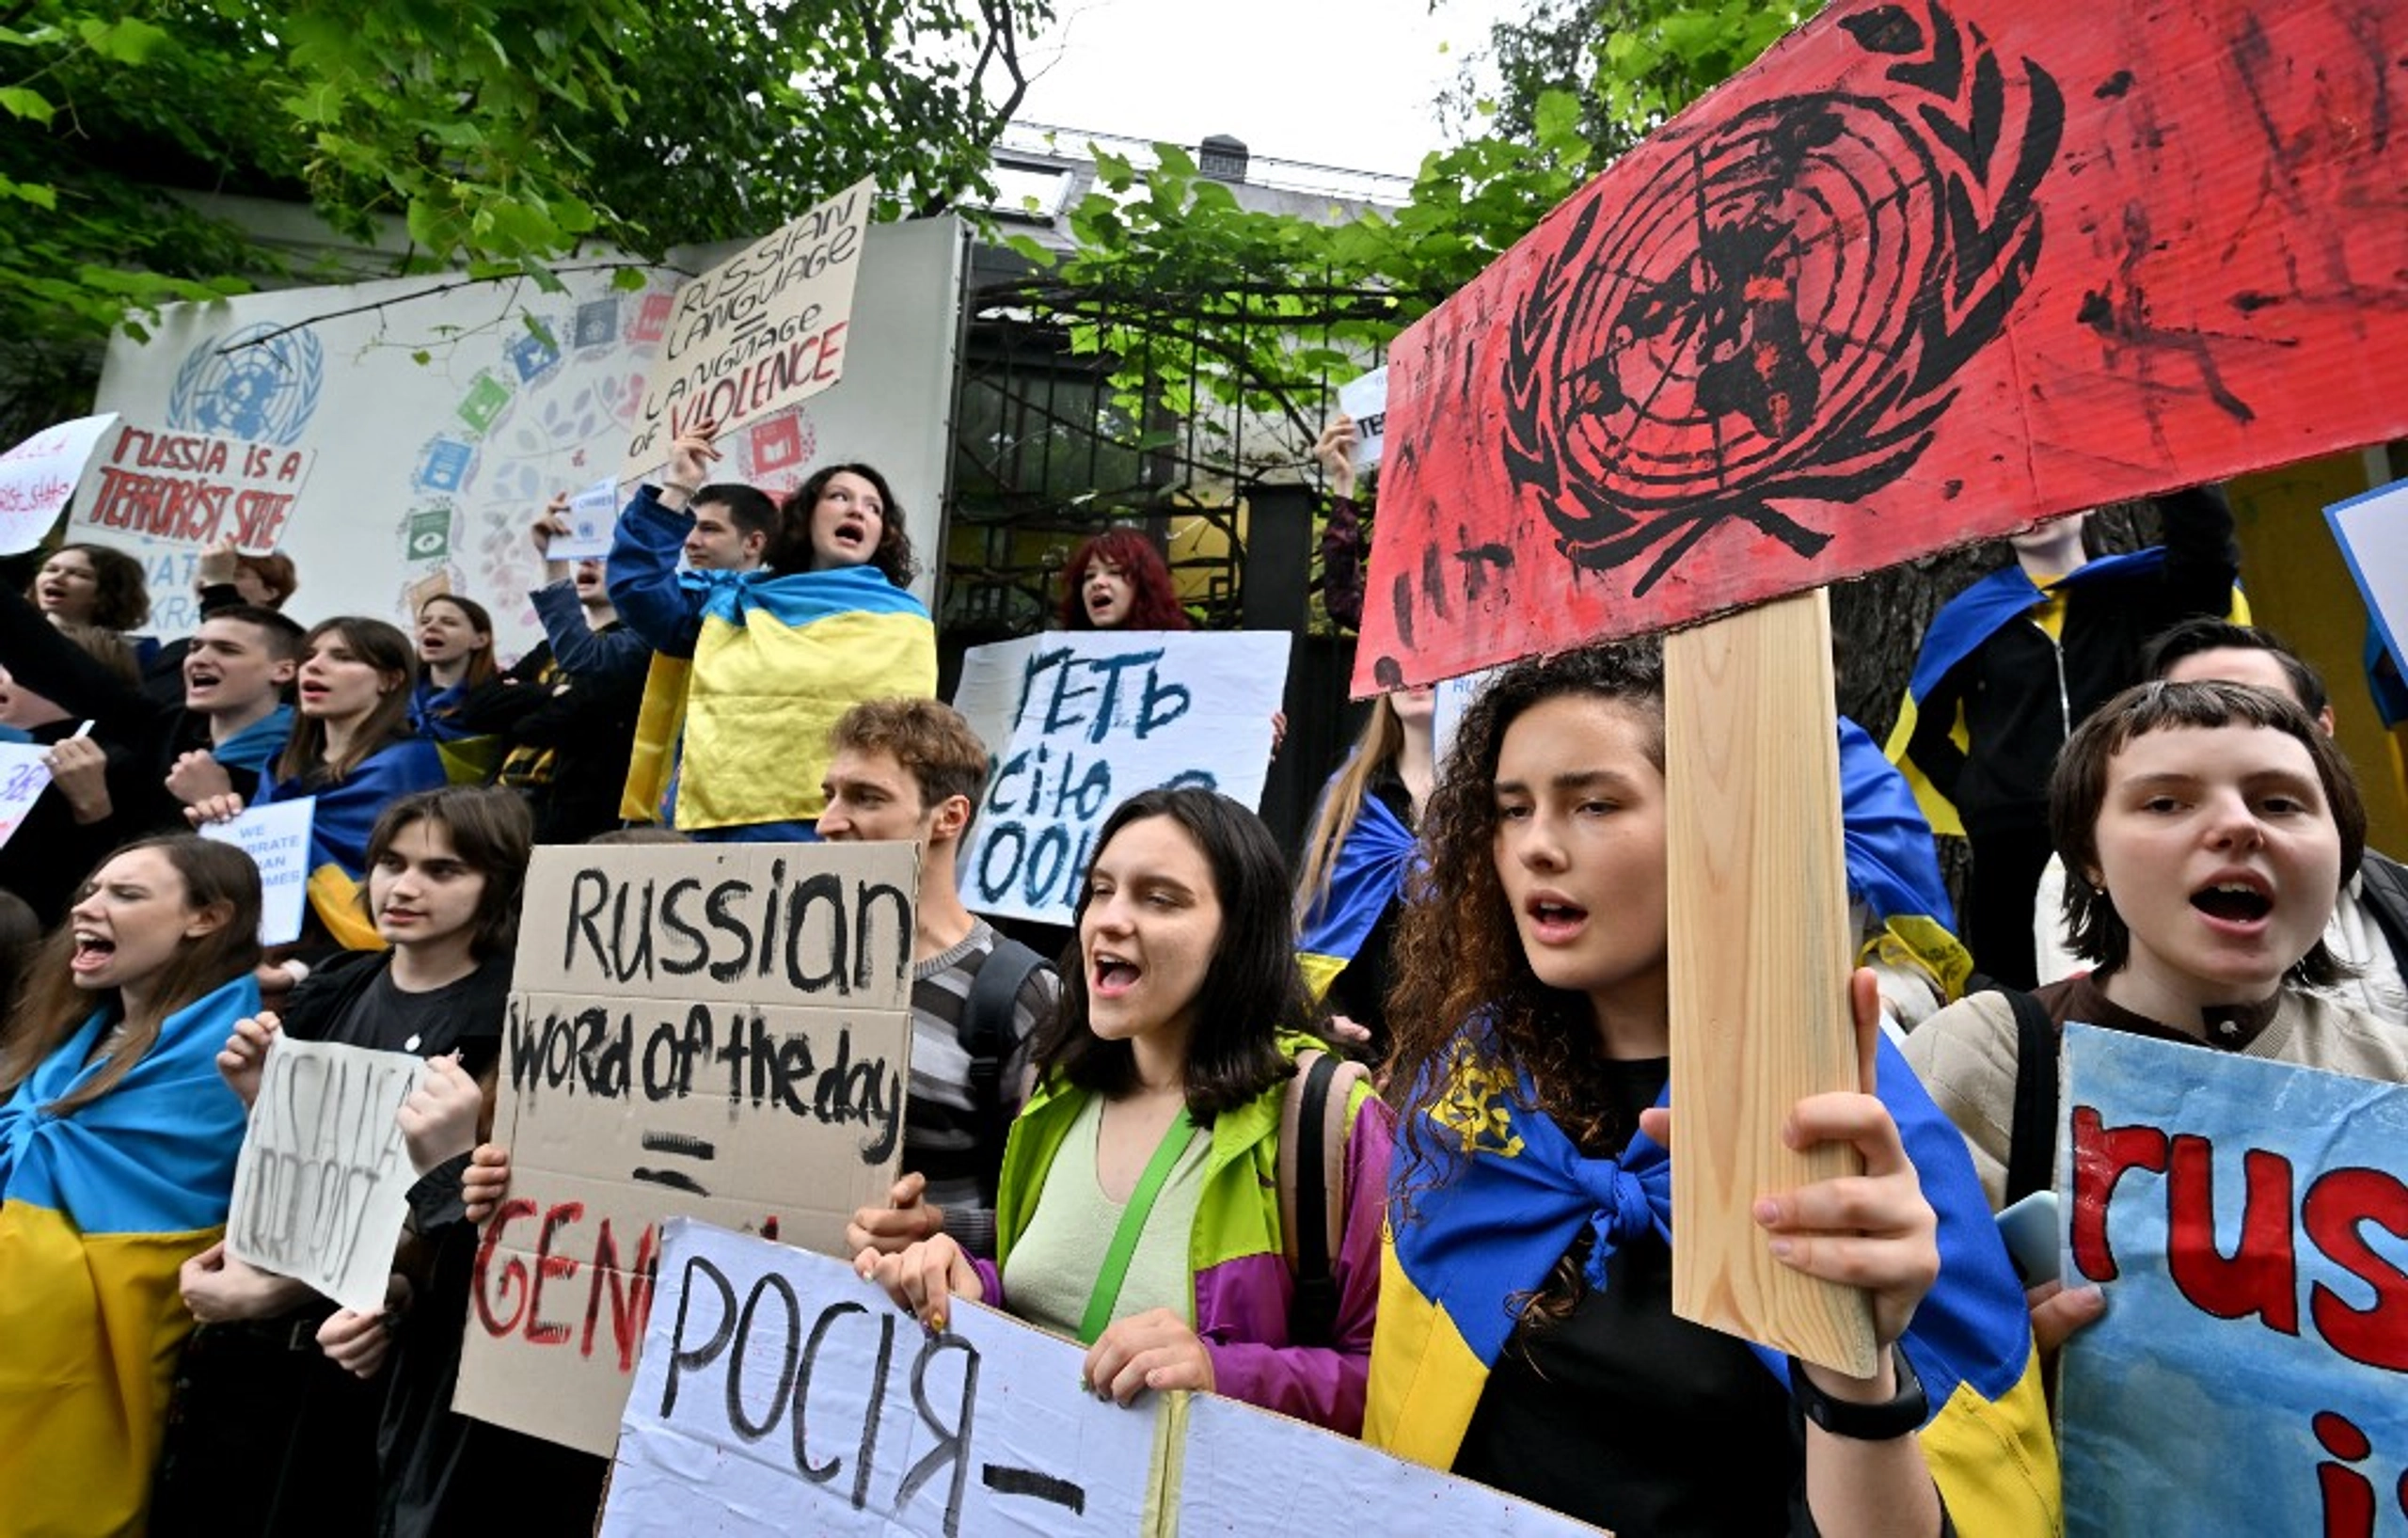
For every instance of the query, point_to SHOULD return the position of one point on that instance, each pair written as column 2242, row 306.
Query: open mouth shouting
column 1111, row 975
column 2238, row 903
column 1554, row 919
column 94, row 951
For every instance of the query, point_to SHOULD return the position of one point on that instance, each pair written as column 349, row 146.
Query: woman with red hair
column 1119, row 581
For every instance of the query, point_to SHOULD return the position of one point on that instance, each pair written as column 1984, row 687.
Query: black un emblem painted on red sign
column 1778, row 315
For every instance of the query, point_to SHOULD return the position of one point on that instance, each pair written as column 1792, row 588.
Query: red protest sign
column 1921, row 275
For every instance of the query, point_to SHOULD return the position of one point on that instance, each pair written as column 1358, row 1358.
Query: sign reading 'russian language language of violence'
column 762, row 331
column 191, row 490
column 2249, row 1222
column 1084, row 719
column 721, row 1031
column 780, row 1393
column 324, row 1180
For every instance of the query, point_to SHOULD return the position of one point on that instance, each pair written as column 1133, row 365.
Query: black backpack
column 2031, row 1135
column 985, row 1034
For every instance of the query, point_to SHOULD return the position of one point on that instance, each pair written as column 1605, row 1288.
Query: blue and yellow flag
column 346, row 813
column 1893, row 867
column 1368, row 873
column 781, row 656
column 1972, row 617
column 101, row 1207
column 1477, row 1226
column 256, row 745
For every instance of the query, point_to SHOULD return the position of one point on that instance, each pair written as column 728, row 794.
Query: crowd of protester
column 1092, row 1142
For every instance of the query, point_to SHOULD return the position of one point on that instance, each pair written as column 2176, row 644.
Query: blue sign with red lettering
column 2249, row 1222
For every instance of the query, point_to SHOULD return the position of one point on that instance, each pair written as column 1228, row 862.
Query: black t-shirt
column 1623, row 1416
column 463, row 1016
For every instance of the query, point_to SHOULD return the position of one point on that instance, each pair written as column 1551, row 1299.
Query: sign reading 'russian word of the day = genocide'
column 762, row 331
column 324, row 1180
column 1081, row 720
column 190, row 489
column 2249, row 1222
column 720, row 1031
column 780, row 1393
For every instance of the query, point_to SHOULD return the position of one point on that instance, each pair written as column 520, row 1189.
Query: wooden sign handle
column 1760, row 957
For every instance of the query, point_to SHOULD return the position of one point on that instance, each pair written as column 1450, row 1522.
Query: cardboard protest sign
column 276, row 837
column 2249, row 1222
column 719, row 1030
column 191, row 490
column 593, row 519
column 39, row 474
column 1365, row 400
column 760, row 332
column 24, row 775
column 323, row 1183
column 1077, row 721
column 1924, row 272
column 2372, row 532
column 780, row 1393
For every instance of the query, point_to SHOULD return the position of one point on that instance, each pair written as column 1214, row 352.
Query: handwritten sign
column 191, row 490
column 323, row 1183
column 24, row 775
column 2249, row 1222
column 39, row 474
column 1088, row 719
column 779, row 1393
column 760, row 332
column 276, row 837
column 720, row 1031
column 1365, row 400
column 2372, row 532
column 1922, row 273
column 593, row 518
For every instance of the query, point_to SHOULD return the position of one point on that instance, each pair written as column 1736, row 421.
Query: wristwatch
column 1904, row 1412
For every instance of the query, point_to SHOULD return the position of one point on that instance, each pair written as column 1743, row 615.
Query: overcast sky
column 1318, row 81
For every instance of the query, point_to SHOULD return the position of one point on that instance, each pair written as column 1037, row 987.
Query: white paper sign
column 592, row 518
column 276, row 837
column 23, row 776
column 1365, row 400
column 2372, row 532
column 1454, row 697
column 39, row 474
column 323, row 1184
column 1077, row 721
column 191, row 490
column 780, row 1393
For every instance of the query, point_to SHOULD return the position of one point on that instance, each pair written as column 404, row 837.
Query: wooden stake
column 1760, row 957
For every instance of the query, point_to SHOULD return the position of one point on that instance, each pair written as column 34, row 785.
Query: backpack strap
column 1311, row 1175
column 2032, row 1136
column 2383, row 889
column 985, row 1035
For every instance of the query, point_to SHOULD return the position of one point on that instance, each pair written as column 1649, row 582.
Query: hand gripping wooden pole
column 1760, row 957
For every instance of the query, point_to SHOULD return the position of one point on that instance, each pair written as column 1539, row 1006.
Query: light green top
column 1052, row 1266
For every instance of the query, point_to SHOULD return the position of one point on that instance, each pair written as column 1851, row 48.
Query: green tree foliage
column 502, row 134
column 1632, row 64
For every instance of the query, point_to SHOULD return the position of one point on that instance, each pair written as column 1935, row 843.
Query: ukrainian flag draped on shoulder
column 1972, row 617
column 1893, row 867
column 101, row 1207
column 780, row 656
column 342, row 822
column 1490, row 1194
column 256, row 745
column 1367, row 874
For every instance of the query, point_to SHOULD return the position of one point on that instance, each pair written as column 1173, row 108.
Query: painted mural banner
column 191, row 490
column 718, row 1031
column 2249, row 1222
column 1924, row 272
column 322, row 1186
column 763, row 331
column 1077, row 721
column 781, row 1393
column 37, row 476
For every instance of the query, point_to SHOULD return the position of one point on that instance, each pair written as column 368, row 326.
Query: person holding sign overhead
column 1526, row 1336
column 776, row 655
column 352, row 750
column 118, row 1143
column 1138, row 1206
